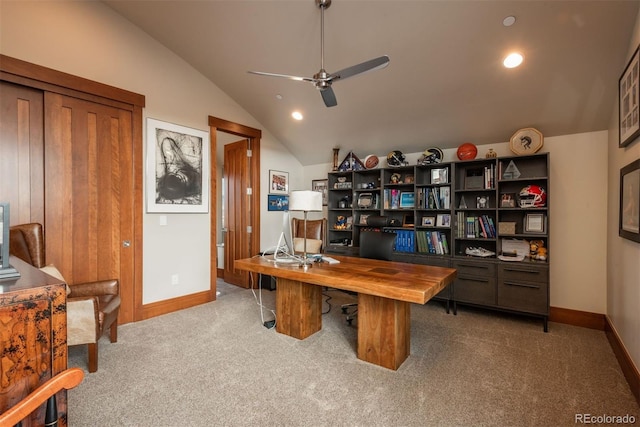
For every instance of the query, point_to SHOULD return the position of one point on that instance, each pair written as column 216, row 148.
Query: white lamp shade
column 305, row 200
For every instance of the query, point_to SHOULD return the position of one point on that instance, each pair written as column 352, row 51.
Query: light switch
column 163, row 220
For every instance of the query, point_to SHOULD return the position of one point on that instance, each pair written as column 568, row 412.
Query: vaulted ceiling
column 445, row 83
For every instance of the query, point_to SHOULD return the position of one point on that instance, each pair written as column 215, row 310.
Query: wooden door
column 21, row 152
column 237, row 208
column 88, row 192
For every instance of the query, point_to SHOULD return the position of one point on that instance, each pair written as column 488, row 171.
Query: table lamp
column 305, row 201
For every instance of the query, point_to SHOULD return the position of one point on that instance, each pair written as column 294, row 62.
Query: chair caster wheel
column 350, row 322
column 344, row 310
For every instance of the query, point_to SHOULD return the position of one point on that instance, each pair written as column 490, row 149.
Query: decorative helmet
column 532, row 196
column 396, row 159
column 430, row 156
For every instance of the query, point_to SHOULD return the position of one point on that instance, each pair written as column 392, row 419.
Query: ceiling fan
column 323, row 80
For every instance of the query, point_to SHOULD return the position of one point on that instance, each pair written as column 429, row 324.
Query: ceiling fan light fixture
column 513, row 60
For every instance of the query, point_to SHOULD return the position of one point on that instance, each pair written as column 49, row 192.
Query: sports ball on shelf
column 396, row 159
column 371, row 161
column 467, row 151
column 431, row 156
column 532, row 196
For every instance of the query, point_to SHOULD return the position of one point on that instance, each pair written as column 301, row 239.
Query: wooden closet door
column 88, row 192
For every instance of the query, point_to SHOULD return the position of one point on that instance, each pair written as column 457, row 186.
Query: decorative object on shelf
column 532, row 196
column 519, row 246
column 342, row 183
column 428, row 221
column 467, row 151
column 491, row 154
column 371, row 161
column 322, row 186
column 363, row 219
column 178, row 176
column 278, row 182
column 395, row 178
column 341, row 223
column 344, row 203
column 408, row 220
column 396, row 159
column 630, row 201
column 526, row 141
column 431, row 156
column 537, row 250
column 408, row 179
column 506, row 227
column 407, row 200
column 463, row 203
column 443, row 220
column 511, row 171
column 335, row 159
column 508, row 200
column 482, row 202
column 439, row 176
column 365, row 200
column 277, row 202
column 628, row 93
column 351, row 162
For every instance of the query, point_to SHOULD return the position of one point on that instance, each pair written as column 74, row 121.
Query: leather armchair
column 316, row 230
column 92, row 308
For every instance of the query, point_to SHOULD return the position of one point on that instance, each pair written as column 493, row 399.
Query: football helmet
column 431, row 156
column 396, row 159
column 532, row 196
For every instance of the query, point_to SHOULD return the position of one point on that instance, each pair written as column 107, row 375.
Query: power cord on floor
column 269, row 324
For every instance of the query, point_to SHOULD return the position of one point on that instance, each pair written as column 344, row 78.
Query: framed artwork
column 321, row 185
column 278, row 182
column 443, row 220
column 276, row 202
column 428, row 221
column 407, row 199
column 526, row 141
column 364, row 219
column 534, row 223
column 177, row 168
column 630, row 201
column 628, row 120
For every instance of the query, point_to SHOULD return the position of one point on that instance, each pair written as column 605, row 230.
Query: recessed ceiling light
column 513, row 60
column 509, row 21
column 297, row 115
column 278, row 96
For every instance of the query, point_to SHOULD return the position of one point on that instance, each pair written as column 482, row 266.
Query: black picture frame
column 629, row 218
column 628, row 101
column 321, row 185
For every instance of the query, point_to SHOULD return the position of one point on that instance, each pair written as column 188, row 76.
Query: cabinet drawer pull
column 522, row 285
column 474, row 279
column 521, row 270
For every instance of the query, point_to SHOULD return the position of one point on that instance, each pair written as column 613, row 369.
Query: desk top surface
column 389, row 279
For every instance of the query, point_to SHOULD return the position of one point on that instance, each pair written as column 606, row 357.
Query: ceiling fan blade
column 286, row 76
column 328, row 97
column 370, row 65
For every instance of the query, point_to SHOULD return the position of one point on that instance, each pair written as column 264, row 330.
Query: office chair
column 373, row 245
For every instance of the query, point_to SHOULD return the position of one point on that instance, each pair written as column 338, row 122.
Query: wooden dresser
column 33, row 337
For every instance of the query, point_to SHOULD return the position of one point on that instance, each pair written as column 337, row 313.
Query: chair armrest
column 83, row 325
column 101, row 287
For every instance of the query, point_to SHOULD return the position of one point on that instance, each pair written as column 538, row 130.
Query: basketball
column 467, row 151
column 371, row 161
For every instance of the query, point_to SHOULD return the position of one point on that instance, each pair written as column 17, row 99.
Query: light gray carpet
column 216, row 364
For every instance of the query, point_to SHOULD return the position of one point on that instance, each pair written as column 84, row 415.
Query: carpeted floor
column 216, row 364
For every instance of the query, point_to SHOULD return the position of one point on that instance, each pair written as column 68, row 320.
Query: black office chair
column 374, row 245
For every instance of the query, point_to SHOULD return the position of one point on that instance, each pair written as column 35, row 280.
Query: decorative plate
column 526, row 141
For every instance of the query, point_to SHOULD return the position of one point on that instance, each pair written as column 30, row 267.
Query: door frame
column 253, row 135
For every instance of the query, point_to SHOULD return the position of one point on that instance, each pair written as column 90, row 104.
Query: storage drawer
column 521, row 272
column 475, row 268
column 475, row 289
column 524, row 288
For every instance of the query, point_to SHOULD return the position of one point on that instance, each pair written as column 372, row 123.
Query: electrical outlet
column 175, row 280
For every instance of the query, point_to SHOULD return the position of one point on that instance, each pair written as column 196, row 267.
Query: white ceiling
column 445, row 83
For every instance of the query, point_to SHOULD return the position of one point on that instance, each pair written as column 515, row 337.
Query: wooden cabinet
column 466, row 215
column 33, row 338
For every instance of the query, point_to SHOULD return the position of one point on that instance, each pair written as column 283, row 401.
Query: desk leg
column 384, row 330
column 298, row 308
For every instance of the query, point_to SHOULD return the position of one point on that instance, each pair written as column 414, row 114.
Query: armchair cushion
column 82, row 320
column 313, row 245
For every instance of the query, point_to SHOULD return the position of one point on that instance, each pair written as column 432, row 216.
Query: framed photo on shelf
column 408, row 220
column 630, row 202
column 508, row 200
column 276, row 202
column 177, row 168
column 482, row 202
column 628, row 120
column 322, row 186
column 278, row 182
column 443, row 220
column 439, row 176
column 407, row 199
column 535, row 223
column 364, row 219
column 428, row 221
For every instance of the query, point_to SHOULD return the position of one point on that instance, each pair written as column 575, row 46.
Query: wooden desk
column 385, row 290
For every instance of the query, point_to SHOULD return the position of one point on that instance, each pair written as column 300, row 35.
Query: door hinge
column 249, row 153
column 249, row 229
column 249, row 191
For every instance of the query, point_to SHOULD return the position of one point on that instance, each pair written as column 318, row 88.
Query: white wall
column 623, row 256
column 88, row 39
